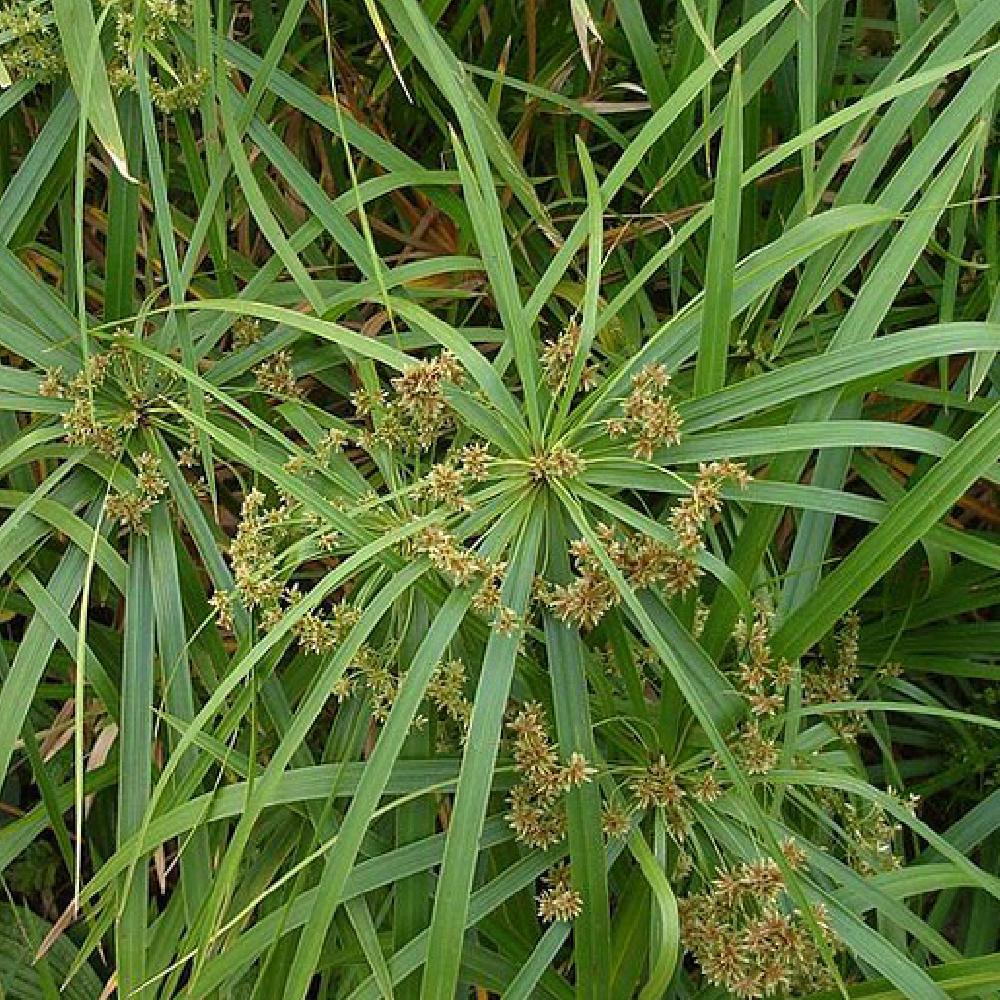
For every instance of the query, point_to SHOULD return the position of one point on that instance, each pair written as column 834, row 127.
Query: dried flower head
column 615, row 821
column 560, row 904
column 536, row 811
column 559, row 462
column 419, row 412
column 474, row 461
column 130, row 508
column 657, row 786
column 748, row 937
column 31, row 49
column 276, row 377
column 648, row 414
column 690, row 516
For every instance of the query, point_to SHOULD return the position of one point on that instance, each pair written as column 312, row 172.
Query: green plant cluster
column 499, row 499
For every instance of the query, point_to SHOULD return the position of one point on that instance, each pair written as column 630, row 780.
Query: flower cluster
column 834, row 680
column 80, row 421
column 869, row 833
column 276, row 377
column 747, row 937
column 662, row 786
column 102, row 418
column 763, row 682
column 446, row 691
column 649, row 415
column 559, row 462
column 536, row 814
column 380, row 681
column 417, row 414
column 558, row 356
column 447, row 482
column 446, row 554
column 616, row 821
column 245, row 332
column 130, row 508
column 643, row 561
column 376, row 676
column 559, row 900
column 463, row 566
column 761, row 679
column 253, row 553
column 183, row 94
column 690, row 516
column 177, row 87
column 321, row 633
column 31, row 50
column 757, row 751
column 659, row 787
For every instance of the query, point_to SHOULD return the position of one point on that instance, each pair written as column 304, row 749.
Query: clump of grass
column 498, row 500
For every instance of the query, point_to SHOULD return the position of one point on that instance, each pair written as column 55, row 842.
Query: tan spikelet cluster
column 559, row 900
column 184, row 93
column 659, row 787
column 649, row 416
column 558, row 356
column 417, row 414
column 177, row 86
column 748, row 938
column 826, row 681
column 761, row 679
column 536, row 813
column 322, row 633
column 870, row 837
column 381, row 683
column 130, row 508
column 460, row 564
column 376, row 676
column 643, row 561
column 474, row 461
column 559, row 462
column 31, row 48
column 448, row 482
column 445, row 484
column 276, row 377
column 691, row 515
column 331, row 443
column 259, row 575
column 253, row 552
column 245, row 332
column 446, row 691
column 81, row 423
column 616, row 821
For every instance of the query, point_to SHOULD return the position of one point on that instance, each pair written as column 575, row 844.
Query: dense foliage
column 497, row 499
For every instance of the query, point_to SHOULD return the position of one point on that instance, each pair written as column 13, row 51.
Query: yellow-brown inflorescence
column 644, row 561
column 559, row 900
column 649, row 416
column 835, row 680
column 130, row 508
column 177, row 86
column 31, row 49
column 536, row 812
column 417, row 414
column 276, row 377
column 747, row 936
column 558, row 356
column 559, row 462
column 691, row 515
